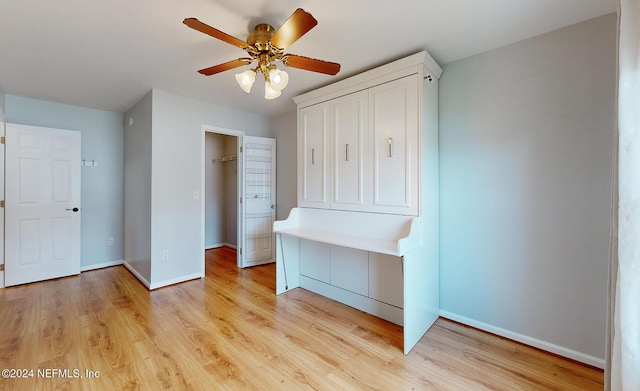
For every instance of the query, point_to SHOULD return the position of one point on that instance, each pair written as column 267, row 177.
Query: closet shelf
column 224, row 159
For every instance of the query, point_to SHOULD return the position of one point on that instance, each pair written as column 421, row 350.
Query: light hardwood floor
column 230, row 331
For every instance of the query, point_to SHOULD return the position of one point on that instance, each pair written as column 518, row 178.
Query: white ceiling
column 108, row 54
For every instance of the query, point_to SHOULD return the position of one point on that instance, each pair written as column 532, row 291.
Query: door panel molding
column 42, row 203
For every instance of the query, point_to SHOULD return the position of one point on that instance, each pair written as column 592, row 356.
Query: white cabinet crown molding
column 382, row 74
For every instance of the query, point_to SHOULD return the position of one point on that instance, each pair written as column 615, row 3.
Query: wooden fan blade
column 225, row 66
column 311, row 64
column 215, row 33
column 298, row 24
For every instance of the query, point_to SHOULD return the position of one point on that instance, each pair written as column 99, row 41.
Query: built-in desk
column 370, row 261
column 377, row 232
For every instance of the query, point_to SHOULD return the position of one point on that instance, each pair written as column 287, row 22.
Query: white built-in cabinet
column 365, row 232
column 360, row 151
column 370, row 274
column 313, row 147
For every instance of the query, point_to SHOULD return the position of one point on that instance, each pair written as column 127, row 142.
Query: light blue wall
column 2, row 108
column 284, row 130
column 102, row 186
column 526, row 141
column 137, row 188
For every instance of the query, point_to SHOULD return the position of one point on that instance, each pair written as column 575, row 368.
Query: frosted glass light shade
column 270, row 92
column 246, row 79
column 279, row 79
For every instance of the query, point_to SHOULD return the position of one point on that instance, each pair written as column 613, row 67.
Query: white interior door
column 258, row 202
column 42, row 204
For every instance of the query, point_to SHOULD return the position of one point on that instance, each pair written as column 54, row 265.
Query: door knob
column 74, row 209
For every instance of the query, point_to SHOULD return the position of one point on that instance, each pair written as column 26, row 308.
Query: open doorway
column 221, row 191
column 238, row 189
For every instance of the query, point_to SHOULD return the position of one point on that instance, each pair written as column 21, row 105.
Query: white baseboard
column 174, row 281
column 135, row 273
column 101, row 265
column 537, row 343
column 233, row 246
column 161, row 284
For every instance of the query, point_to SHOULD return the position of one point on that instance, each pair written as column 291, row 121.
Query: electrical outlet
column 110, row 242
column 165, row 255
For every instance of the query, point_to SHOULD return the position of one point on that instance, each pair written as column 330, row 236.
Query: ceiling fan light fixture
column 266, row 45
column 279, row 79
column 270, row 92
column 246, row 79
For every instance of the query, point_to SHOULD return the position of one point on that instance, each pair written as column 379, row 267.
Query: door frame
column 2, row 153
column 227, row 132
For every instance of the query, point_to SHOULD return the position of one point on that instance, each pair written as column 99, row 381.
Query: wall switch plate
column 196, row 195
column 165, row 255
column 110, row 241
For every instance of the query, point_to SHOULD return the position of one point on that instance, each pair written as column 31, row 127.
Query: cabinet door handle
column 313, row 156
column 390, row 147
column 346, row 152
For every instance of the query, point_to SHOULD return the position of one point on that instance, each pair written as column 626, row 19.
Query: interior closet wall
column 220, row 191
column 231, row 192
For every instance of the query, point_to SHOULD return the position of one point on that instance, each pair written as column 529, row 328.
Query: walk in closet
column 221, row 190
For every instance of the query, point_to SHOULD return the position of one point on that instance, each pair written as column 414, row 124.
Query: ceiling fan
column 265, row 45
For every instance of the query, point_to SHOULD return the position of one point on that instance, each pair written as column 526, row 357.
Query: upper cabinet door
column 312, row 156
column 351, row 183
column 393, row 110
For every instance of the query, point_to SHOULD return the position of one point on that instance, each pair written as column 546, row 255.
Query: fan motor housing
column 260, row 36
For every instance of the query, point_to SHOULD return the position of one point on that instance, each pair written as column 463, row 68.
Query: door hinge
column 240, row 147
column 2, row 140
column 240, row 200
column 240, row 253
column 2, row 204
column 1, row 267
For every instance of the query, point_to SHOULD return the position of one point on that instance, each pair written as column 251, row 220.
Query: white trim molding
column 101, row 265
column 174, row 281
column 210, row 247
column 137, row 275
column 536, row 343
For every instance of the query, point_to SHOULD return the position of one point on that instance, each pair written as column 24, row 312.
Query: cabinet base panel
column 374, row 307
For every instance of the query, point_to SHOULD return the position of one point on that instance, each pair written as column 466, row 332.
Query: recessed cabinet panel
column 385, row 279
column 394, row 112
column 350, row 153
column 312, row 148
column 349, row 269
column 315, row 260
